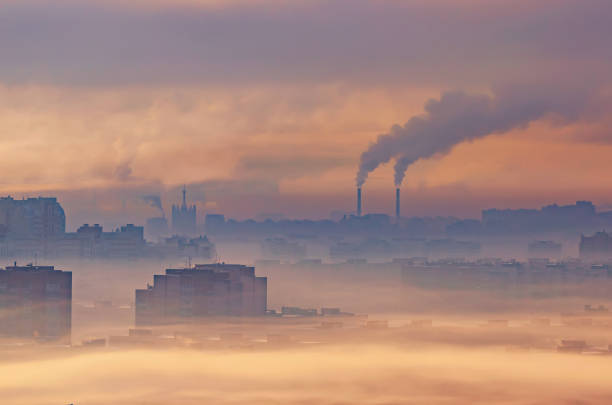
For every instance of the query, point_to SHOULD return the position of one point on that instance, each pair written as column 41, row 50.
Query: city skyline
column 192, row 119
column 113, row 209
column 308, row 202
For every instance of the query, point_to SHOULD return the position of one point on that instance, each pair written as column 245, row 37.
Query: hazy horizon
column 265, row 110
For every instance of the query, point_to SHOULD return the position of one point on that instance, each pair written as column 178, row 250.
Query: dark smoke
column 457, row 117
column 155, row 202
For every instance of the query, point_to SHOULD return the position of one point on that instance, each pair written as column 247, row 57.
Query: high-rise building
column 29, row 227
column 184, row 217
column 35, row 302
column 40, row 218
column 202, row 291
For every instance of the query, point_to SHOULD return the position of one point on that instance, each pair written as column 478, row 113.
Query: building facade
column 29, row 227
column 91, row 242
column 205, row 290
column 40, row 218
column 35, row 302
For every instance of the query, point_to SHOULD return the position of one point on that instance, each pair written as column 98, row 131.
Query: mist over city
column 305, row 202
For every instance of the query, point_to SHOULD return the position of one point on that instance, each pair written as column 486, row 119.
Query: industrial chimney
column 397, row 203
column 358, row 201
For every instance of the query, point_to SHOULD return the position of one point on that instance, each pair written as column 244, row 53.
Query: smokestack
column 358, row 201
column 397, row 203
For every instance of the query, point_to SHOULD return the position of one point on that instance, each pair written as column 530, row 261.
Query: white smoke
column 154, row 201
column 457, row 117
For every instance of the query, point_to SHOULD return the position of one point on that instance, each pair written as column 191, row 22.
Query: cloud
column 332, row 375
column 279, row 92
column 289, row 165
column 123, row 171
column 154, row 201
column 234, row 43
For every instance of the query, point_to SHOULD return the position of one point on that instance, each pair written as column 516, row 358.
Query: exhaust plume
column 155, row 202
column 458, row 116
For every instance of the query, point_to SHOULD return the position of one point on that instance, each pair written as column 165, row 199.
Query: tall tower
column 397, row 203
column 184, row 217
column 358, row 201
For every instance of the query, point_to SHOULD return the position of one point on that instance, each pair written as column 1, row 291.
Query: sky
column 265, row 106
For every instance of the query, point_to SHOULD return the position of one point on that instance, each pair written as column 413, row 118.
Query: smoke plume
column 458, row 116
column 155, row 202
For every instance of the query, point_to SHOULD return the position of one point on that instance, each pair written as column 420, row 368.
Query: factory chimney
column 358, row 201
column 397, row 203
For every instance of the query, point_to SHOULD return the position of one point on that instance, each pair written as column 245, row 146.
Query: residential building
column 35, row 302
column 205, row 290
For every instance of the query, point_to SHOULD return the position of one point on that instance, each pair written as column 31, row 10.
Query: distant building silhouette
column 184, row 217
column 549, row 218
column 41, row 218
column 282, row 248
column 214, row 222
column 450, row 248
column 36, row 228
column 29, row 226
column 205, row 290
column 544, row 249
column 35, row 302
column 156, row 228
column 90, row 241
column 180, row 246
column 598, row 246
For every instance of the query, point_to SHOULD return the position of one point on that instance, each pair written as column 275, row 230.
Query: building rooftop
column 31, row 267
